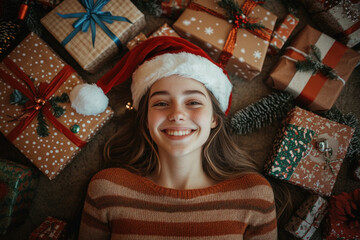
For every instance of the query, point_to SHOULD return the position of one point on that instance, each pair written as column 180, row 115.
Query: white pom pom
column 88, row 99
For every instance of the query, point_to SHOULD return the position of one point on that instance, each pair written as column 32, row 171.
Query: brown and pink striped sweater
column 122, row 205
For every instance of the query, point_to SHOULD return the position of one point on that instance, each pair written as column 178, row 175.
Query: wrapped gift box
column 342, row 221
column 164, row 30
column 136, row 40
column 308, row 217
column 339, row 19
column 299, row 154
column 18, row 184
column 81, row 48
column 173, row 8
column 281, row 33
column 211, row 32
column 50, row 229
column 52, row 153
column 49, row 3
column 314, row 91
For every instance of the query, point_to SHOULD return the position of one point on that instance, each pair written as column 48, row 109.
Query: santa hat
column 152, row 60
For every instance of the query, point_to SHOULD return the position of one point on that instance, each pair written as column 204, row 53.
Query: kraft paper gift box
column 34, row 58
column 164, row 30
column 106, row 45
column 339, row 19
column 211, row 33
column 18, row 187
column 309, row 151
column 281, row 33
column 308, row 217
column 50, row 228
column 313, row 90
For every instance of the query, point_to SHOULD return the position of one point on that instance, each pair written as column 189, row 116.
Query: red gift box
column 50, row 229
column 281, row 33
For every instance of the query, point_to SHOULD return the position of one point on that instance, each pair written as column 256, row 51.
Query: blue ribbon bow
column 92, row 16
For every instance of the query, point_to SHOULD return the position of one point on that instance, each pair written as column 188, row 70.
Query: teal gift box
column 17, row 190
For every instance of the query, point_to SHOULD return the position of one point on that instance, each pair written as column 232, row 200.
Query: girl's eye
column 160, row 104
column 194, row 103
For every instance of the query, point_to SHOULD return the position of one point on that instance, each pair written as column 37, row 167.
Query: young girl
column 180, row 176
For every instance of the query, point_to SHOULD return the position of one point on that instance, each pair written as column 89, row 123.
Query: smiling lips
column 178, row 133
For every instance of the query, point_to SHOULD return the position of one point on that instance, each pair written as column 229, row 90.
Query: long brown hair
column 133, row 149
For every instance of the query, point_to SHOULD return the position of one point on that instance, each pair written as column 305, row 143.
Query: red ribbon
column 38, row 99
column 229, row 46
column 317, row 81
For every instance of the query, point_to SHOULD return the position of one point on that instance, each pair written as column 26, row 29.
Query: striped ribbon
column 305, row 86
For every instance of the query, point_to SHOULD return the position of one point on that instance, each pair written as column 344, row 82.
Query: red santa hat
column 157, row 58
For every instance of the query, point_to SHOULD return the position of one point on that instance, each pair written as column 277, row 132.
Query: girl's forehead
column 176, row 82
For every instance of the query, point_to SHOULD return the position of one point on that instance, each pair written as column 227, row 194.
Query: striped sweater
column 122, row 205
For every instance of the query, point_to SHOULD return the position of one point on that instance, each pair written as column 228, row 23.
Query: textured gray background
column 63, row 197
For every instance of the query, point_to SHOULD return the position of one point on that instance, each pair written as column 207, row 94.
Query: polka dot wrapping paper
column 210, row 33
column 52, row 153
column 297, row 156
column 81, row 47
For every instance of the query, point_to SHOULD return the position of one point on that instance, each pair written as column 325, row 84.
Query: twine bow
column 38, row 103
column 314, row 63
column 91, row 17
column 323, row 146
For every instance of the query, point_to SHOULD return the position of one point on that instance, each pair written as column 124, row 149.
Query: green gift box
column 17, row 190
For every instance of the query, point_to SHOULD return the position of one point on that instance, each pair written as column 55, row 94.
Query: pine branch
column 262, row 113
column 58, row 111
column 42, row 127
column 350, row 120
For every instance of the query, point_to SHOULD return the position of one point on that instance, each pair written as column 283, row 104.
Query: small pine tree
column 261, row 113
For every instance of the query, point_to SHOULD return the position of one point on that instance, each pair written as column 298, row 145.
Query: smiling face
column 180, row 116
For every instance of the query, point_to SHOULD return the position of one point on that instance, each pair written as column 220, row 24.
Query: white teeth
column 178, row 133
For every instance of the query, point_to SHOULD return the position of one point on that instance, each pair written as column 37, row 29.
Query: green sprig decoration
column 313, row 63
column 234, row 11
column 153, row 7
column 42, row 127
column 59, row 111
column 350, row 120
column 262, row 113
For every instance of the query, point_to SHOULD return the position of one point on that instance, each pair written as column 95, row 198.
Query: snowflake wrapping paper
column 51, row 228
column 281, row 33
column 18, row 188
column 332, row 19
column 164, row 30
column 52, row 153
column 81, row 47
column 210, row 33
column 314, row 91
column 296, row 157
column 308, row 217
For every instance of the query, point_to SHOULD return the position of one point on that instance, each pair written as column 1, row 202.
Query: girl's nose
column 177, row 113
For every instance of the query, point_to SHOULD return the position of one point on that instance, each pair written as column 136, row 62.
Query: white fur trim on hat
column 186, row 65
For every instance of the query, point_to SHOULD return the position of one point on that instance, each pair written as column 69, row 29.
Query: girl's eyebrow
column 187, row 92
